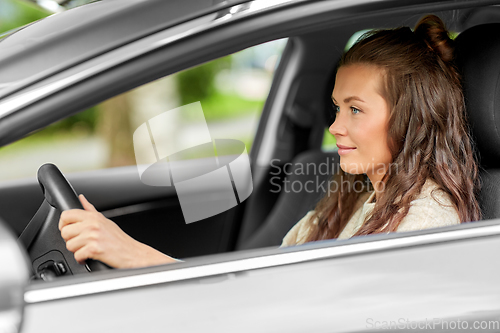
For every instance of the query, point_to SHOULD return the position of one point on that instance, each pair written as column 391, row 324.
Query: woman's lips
column 344, row 149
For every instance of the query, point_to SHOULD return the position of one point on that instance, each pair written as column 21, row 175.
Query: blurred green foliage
column 198, row 83
column 81, row 123
column 222, row 106
column 16, row 13
column 329, row 141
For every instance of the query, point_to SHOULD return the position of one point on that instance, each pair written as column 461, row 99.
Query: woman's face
column 361, row 125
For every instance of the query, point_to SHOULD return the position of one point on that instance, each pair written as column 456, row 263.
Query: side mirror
column 14, row 277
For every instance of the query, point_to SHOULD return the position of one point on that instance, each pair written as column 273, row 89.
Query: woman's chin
column 352, row 168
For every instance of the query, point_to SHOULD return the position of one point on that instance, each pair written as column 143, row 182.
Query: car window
column 222, row 98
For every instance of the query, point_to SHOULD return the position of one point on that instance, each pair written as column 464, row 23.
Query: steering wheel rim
column 42, row 237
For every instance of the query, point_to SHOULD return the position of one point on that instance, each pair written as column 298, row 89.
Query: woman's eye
column 355, row 111
column 336, row 108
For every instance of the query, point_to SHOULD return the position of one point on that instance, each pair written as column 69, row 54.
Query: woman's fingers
column 71, row 230
column 90, row 235
column 80, row 234
column 88, row 251
column 72, row 216
column 78, row 215
column 76, row 243
column 88, row 244
column 86, row 204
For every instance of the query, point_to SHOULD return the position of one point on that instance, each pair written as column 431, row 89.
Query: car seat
column 477, row 53
column 307, row 183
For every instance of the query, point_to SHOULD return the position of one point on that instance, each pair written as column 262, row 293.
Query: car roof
column 65, row 39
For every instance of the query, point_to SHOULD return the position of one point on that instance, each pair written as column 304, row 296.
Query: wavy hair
column 428, row 132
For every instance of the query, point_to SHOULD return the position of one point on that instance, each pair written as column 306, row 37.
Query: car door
column 432, row 280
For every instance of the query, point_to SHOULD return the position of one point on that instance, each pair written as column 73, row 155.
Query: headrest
column 477, row 55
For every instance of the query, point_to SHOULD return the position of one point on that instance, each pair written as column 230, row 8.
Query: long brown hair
column 428, row 133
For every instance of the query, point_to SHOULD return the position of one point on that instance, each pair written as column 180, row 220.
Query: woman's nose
column 338, row 126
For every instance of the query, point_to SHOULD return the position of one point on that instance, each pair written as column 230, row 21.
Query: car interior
column 477, row 48
column 299, row 99
column 475, row 53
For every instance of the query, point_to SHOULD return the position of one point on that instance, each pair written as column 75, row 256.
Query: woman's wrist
column 149, row 256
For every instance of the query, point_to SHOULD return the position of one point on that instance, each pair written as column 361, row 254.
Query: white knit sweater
column 431, row 209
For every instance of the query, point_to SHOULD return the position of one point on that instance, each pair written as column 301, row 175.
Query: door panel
column 354, row 292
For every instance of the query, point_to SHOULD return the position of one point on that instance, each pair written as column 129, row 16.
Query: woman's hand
column 90, row 235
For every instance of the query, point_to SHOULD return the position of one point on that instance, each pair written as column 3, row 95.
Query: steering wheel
column 42, row 238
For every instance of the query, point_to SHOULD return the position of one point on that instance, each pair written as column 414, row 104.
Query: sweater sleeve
column 296, row 235
column 300, row 231
column 430, row 211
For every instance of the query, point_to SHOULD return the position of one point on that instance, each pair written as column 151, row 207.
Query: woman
column 400, row 121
